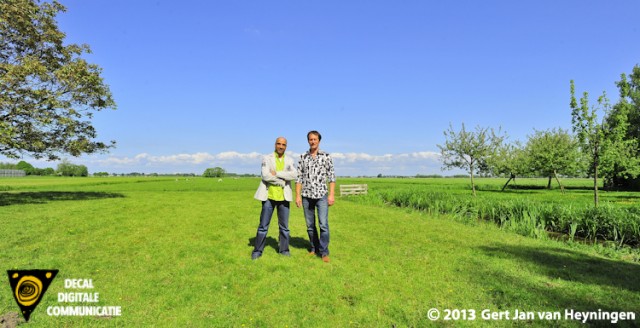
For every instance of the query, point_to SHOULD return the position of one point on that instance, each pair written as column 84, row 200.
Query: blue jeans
column 319, row 244
column 283, row 224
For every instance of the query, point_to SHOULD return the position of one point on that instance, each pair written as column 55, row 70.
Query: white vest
column 287, row 175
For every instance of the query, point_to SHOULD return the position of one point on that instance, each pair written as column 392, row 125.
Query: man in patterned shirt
column 315, row 170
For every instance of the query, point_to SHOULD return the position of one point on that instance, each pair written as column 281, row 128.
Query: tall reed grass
column 607, row 222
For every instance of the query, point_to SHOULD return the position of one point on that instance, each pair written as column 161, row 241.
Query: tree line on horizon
column 65, row 168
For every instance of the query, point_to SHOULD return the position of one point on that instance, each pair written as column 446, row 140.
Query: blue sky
column 212, row 83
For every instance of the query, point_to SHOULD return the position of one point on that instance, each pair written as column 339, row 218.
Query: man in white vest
column 274, row 191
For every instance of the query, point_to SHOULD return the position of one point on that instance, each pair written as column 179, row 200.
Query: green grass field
column 177, row 253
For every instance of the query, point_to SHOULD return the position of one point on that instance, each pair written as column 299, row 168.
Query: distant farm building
column 11, row 173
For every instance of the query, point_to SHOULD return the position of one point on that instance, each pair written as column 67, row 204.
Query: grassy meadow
column 177, row 253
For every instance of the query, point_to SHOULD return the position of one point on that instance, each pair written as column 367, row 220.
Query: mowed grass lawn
column 177, row 253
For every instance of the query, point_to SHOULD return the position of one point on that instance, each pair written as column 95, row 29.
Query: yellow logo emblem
column 28, row 287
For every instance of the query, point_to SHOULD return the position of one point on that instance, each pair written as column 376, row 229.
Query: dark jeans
column 319, row 243
column 283, row 224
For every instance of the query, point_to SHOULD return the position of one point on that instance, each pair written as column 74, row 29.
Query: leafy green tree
column 26, row 167
column 553, row 152
column 467, row 149
column 44, row 172
column 629, row 87
column 81, row 171
column 509, row 161
column 621, row 161
column 48, row 93
column 592, row 132
column 216, row 172
column 65, row 168
column 8, row 166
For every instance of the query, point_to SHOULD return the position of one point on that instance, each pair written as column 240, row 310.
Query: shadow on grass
column 296, row 242
column 573, row 266
column 541, row 187
column 608, row 196
column 555, row 187
column 42, row 197
column 512, row 191
column 628, row 198
column 555, row 280
column 568, row 280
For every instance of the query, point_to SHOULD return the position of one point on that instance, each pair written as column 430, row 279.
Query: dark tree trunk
column 558, row 179
column 512, row 177
column 595, row 180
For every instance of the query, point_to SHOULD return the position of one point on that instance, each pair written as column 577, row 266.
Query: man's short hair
column 316, row 133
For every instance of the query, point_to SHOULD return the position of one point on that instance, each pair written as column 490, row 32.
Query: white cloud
column 347, row 164
column 232, row 161
column 121, row 161
column 253, row 32
column 180, row 159
column 402, row 158
column 236, row 156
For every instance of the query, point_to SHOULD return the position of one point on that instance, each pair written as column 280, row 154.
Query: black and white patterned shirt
column 314, row 173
